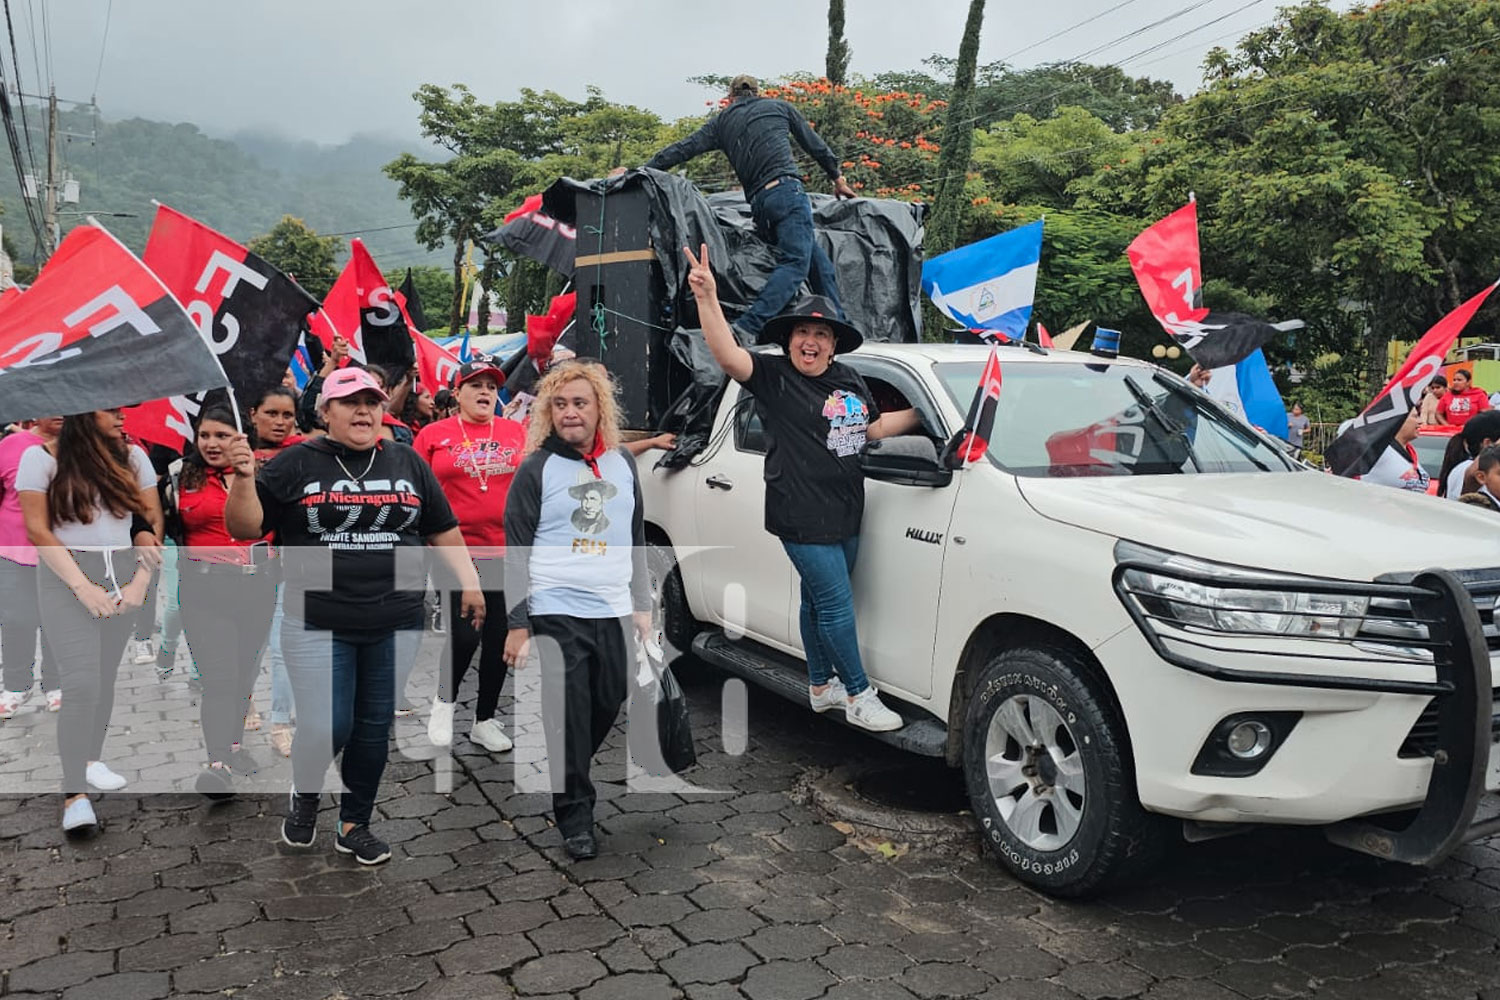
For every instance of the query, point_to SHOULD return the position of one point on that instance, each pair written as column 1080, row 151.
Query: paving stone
column 1188, row 989
column 168, row 952
column 565, row 972
column 223, row 972
column 786, row 981
column 794, row 909
column 1095, row 980
column 718, row 925
column 214, row 916
column 268, row 935
column 123, row 986
column 632, row 986
column 588, row 933
column 116, row 934
column 626, row 955
column 465, row 987
column 425, row 938
column 386, row 976
column 939, row 947
column 709, row 963
column 869, row 991
column 1262, row 979
column 942, row 979
column 574, row 903
column 495, row 953
column 790, row 943
column 155, row 902
column 510, row 918
column 863, row 961
column 648, row 911
column 61, row 971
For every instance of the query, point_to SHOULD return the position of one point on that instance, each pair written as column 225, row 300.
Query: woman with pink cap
column 341, row 508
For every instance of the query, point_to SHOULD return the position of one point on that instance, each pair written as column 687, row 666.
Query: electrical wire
column 1068, row 30
column 10, row 27
column 103, row 46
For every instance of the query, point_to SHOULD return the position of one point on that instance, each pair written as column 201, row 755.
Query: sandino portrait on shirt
column 591, row 492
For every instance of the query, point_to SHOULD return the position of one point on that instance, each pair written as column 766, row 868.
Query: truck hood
column 1298, row 522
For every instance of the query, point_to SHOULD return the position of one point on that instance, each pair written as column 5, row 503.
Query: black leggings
column 19, row 621
column 227, row 619
column 88, row 653
column 464, row 640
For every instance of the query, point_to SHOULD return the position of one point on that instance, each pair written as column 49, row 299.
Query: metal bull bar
column 1460, row 762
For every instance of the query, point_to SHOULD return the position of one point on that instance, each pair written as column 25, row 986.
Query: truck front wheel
column 1047, row 768
column 674, row 620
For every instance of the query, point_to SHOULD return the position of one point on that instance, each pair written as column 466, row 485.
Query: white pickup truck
column 1134, row 608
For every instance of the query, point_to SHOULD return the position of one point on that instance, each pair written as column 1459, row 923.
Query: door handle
column 720, row 483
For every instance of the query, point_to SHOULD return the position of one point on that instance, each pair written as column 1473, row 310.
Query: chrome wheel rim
column 1035, row 773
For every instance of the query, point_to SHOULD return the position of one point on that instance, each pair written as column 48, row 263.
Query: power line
column 1067, row 30
column 1177, row 38
column 1182, row 12
column 16, row 67
column 103, row 46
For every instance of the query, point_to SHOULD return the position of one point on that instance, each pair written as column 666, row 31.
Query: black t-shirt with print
column 313, row 503
column 815, row 428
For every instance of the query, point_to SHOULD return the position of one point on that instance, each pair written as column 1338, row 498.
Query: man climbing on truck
column 752, row 131
column 818, row 413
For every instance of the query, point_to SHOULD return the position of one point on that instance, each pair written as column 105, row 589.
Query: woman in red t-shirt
column 228, row 595
column 475, row 454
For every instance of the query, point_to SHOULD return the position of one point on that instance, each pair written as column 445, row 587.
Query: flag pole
column 239, row 425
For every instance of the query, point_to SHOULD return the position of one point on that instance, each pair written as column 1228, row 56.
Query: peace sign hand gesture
column 701, row 275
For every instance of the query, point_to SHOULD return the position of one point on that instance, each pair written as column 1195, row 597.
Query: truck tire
column 674, row 620
column 1046, row 762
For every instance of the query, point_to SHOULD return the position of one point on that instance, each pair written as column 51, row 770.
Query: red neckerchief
column 591, row 457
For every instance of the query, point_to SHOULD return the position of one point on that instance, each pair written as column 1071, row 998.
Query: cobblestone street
column 747, row 893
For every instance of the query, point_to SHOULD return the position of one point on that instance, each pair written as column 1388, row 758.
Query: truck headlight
column 1197, row 594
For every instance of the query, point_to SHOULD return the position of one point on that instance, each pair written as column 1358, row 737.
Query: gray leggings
column 88, row 652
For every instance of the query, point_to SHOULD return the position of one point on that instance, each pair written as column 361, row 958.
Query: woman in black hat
column 818, row 413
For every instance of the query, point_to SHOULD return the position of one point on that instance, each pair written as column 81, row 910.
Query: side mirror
column 908, row 460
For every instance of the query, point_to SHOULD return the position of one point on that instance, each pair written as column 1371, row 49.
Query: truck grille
column 1484, row 587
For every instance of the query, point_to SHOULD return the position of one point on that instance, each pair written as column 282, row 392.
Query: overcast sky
column 326, row 69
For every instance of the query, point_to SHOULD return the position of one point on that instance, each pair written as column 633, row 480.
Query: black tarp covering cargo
column 875, row 246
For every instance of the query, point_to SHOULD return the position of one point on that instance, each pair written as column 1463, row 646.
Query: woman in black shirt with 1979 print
column 341, row 508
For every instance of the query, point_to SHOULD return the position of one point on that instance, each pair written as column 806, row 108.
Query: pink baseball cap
column 347, row 382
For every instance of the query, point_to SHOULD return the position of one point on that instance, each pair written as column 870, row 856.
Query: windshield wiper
column 1171, row 427
column 1207, row 404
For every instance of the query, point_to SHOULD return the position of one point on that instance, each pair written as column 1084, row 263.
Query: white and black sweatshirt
column 575, row 536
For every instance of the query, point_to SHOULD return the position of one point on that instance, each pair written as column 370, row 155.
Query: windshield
column 1109, row 420
column 1430, row 451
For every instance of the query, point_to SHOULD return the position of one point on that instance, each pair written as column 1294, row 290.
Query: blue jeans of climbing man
column 829, row 636
column 783, row 218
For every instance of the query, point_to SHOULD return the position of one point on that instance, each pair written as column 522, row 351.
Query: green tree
column 834, row 124
column 457, row 200
column 958, row 139
column 1345, row 167
column 294, row 248
column 434, row 286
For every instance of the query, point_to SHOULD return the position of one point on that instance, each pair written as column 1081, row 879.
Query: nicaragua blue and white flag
column 1248, row 390
column 989, row 285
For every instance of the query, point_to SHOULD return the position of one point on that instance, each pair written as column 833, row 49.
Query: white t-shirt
column 1398, row 467
column 106, row 531
column 1456, row 479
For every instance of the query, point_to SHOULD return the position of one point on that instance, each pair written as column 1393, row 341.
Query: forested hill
column 241, row 187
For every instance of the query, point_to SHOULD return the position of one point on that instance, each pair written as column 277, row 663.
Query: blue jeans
column 827, row 617
column 281, row 684
column 345, row 686
column 783, row 218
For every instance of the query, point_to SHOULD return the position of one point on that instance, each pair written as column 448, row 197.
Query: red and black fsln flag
column 247, row 311
column 531, row 232
column 95, row 331
column 980, row 422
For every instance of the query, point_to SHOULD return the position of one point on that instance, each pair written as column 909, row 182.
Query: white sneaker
column 54, row 700
column 142, row 651
column 11, row 702
column 833, row 696
column 440, row 726
column 489, row 735
column 79, row 814
column 867, row 711
column 101, row 777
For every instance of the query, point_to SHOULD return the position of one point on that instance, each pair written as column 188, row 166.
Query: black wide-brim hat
column 812, row 309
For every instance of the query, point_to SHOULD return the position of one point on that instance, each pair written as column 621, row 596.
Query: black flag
column 413, row 302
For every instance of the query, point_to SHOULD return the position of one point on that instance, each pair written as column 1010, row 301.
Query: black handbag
column 674, row 729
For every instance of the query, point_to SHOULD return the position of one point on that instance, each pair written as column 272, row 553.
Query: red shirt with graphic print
column 1458, row 407
column 474, row 464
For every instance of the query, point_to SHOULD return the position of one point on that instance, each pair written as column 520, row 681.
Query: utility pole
column 54, row 232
